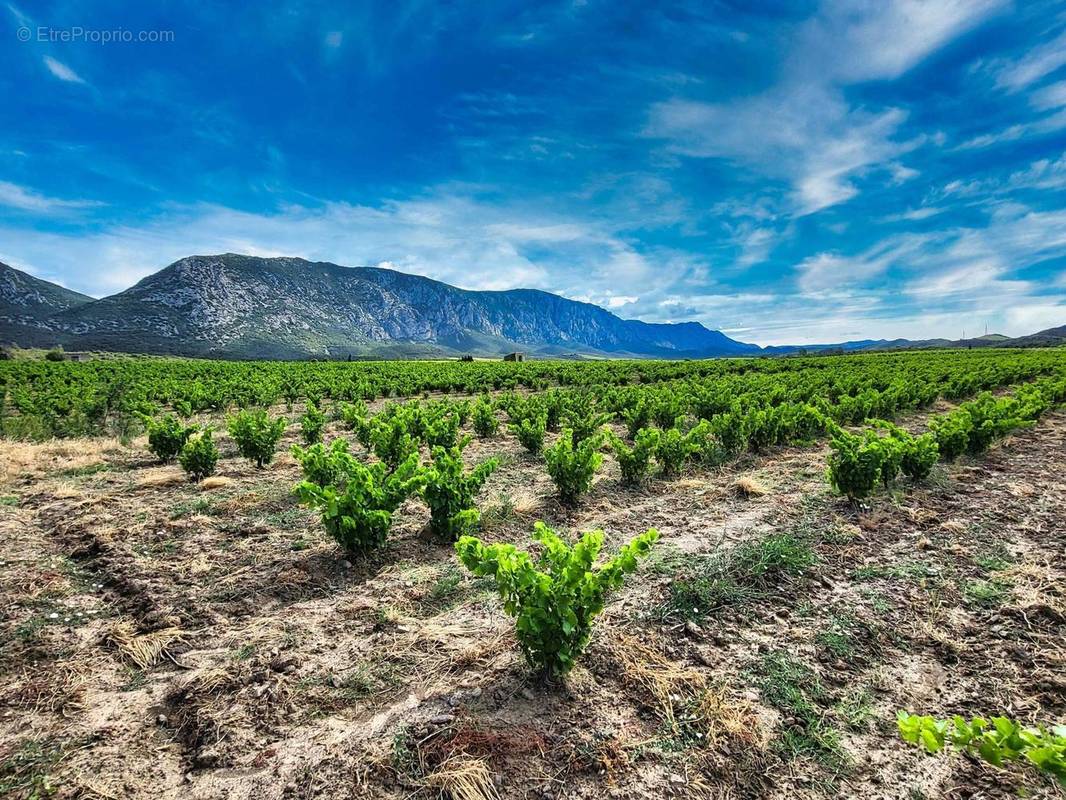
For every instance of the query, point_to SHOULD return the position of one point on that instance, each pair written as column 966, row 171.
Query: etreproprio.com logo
column 79, row 34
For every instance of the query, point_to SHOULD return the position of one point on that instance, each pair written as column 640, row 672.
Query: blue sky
column 804, row 172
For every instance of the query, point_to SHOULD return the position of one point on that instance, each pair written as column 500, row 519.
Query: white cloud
column 807, row 135
column 15, row 196
column 915, row 214
column 755, row 244
column 449, row 237
column 1049, row 124
column 1043, row 175
column 1049, row 97
column 1034, row 317
column 1034, row 65
column 977, row 279
column 22, row 19
column 882, row 39
column 803, row 130
column 828, row 272
column 62, row 71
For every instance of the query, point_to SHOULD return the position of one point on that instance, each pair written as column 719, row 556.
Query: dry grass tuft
column 144, row 650
column 36, row 458
column 463, row 779
column 724, row 733
column 436, row 652
column 283, row 460
column 161, row 476
column 209, row 681
column 60, row 690
column 747, row 486
column 954, row 526
column 666, row 682
column 727, row 718
column 215, row 482
column 525, row 503
column 1037, row 589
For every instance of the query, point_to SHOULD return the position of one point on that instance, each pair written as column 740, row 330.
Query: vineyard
column 819, row 577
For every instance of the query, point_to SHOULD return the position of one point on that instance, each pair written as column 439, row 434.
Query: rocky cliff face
column 26, row 296
column 26, row 303
column 244, row 306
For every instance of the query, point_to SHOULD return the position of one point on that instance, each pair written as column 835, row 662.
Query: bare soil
column 162, row 639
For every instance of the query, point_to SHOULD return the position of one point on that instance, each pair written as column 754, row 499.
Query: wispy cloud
column 1049, row 97
column 1038, row 62
column 1042, row 126
column 15, row 196
column 803, row 129
column 62, row 71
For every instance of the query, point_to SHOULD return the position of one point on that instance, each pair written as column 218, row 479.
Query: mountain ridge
column 238, row 306
column 233, row 305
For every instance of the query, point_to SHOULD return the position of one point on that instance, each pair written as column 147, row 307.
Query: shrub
column 996, row 741
column 462, row 410
column 359, row 515
column 167, row 436
column 312, row 423
column 675, row 449
column 952, row 433
column 571, row 466
column 801, row 423
column 854, row 464
column 291, row 389
column 450, row 491
column 763, row 426
column 530, row 432
column 637, row 417
column 555, row 598
column 917, row 454
column 729, row 431
column 585, row 423
column 553, row 404
column 635, row 461
column 322, row 465
column 991, row 419
column 666, row 409
column 442, row 431
column 355, row 418
column 391, row 441
column 256, row 434
column 892, row 452
column 485, row 422
column 199, row 456
column 56, row 354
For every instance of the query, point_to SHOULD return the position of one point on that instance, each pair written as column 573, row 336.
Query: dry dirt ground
column 162, row 639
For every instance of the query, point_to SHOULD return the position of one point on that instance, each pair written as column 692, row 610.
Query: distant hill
column 27, row 302
column 1052, row 337
column 247, row 307
column 235, row 306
